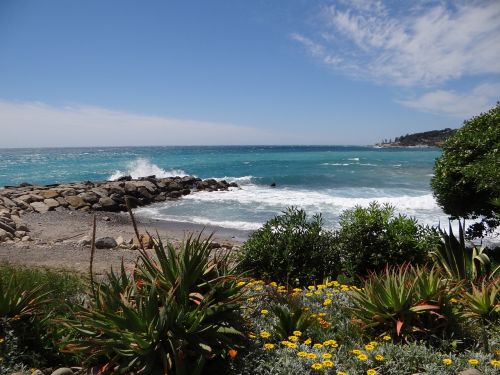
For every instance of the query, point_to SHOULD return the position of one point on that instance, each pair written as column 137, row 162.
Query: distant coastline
column 429, row 139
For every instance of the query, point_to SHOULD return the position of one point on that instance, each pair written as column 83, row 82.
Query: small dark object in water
column 273, row 184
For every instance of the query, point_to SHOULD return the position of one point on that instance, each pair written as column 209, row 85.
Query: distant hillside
column 433, row 138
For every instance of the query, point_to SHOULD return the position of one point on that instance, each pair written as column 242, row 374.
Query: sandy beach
column 56, row 236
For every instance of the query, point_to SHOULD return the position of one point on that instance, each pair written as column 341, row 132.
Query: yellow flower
column 302, row 354
column 321, row 286
column 328, row 363
column 32, row 370
column 495, row 362
column 318, row 346
column 327, row 302
column 374, row 343
column 453, row 300
column 356, row 351
column 371, row 372
column 497, row 352
column 308, row 342
column 311, row 356
column 327, row 355
column 297, row 333
column 379, row 357
column 308, row 294
column 264, row 312
column 268, row 346
column 369, row 347
column 297, row 290
column 362, row 357
column 2, row 340
column 258, row 289
column 273, row 284
column 293, row 338
column 265, row 334
column 386, row 338
column 241, row 283
column 318, row 292
column 285, row 342
column 322, row 314
column 292, row 345
column 447, row 361
column 331, row 343
column 341, row 373
column 317, row 366
column 311, row 287
column 473, row 361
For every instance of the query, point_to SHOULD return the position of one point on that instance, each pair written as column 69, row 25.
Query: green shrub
column 466, row 176
column 180, row 309
column 290, row 249
column 371, row 238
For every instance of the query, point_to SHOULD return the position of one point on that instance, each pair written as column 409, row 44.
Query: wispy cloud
column 421, row 45
column 41, row 125
column 462, row 105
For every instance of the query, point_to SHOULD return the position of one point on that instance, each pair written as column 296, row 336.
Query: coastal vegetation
column 432, row 138
column 466, row 176
column 381, row 294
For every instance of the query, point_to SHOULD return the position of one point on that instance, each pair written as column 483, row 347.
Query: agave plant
column 16, row 300
column 178, row 310
column 482, row 305
column 402, row 300
column 459, row 262
column 291, row 318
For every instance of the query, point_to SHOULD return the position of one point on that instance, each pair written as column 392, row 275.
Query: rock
column 85, row 241
column 90, row 197
column 214, row 245
column 108, row 204
column 174, row 194
column 4, row 235
column 7, row 227
column 130, row 188
column 51, row 203
column 144, row 192
column 124, row 178
column 106, row 218
column 26, row 239
column 62, row 201
column 120, row 241
column 103, row 193
column 39, row 207
column 25, row 184
column 470, row 371
column 75, row 201
column 37, row 372
column 48, row 194
column 63, row 371
column 23, row 227
column 25, row 198
column 105, row 243
column 20, row 233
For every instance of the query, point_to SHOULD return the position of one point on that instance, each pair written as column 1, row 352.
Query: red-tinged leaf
column 399, row 325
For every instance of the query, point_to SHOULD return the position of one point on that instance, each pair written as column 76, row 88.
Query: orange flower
column 232, row 353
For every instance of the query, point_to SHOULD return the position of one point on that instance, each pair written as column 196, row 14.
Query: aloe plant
column 460, row 263
column 178, row 310
column 290, row 319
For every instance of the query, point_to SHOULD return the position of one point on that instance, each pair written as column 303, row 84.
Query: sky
column 157, row 72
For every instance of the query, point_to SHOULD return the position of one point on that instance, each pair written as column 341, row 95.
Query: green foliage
column 466, row 176
column 290, row 249
column 291, row 318
column 29, row 301
column 371, row 238
column 181, row 309
column 460, row 262
column 405, row 302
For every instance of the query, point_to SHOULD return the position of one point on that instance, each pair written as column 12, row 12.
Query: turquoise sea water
column 326, row 179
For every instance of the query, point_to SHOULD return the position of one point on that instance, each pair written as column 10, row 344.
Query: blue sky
column 94, row 72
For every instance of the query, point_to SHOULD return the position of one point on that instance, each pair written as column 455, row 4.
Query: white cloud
column 409, row 45
column 462, row 105
column 41, row 125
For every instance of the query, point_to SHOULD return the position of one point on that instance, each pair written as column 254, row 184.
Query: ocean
column 319, row 179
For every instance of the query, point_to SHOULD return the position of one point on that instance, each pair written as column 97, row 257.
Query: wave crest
column 142, row 167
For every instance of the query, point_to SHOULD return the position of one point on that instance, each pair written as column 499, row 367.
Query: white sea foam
column 142, row 167
column 343, row 164
column 239, row 180
column 354, row 159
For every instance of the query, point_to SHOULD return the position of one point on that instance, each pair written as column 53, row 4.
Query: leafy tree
column 466, row 180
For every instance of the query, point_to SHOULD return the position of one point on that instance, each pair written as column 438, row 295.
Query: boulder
column 26, row 239
column 103, row 193
column 84, row 241
column 108, row 204
column 39, row 207
column 143, row 192
column 20, row 233
column 124, row 178
column 62, row 201
column 75, row 201
column 105, row 243
column 4, row 235
column 62, row 371
column 48, row 194
column 51, row 203
column 90, row 197
column 129, row 188
column 175, row 194
column 36, row 198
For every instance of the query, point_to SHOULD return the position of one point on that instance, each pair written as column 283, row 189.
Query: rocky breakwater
column 91, row 196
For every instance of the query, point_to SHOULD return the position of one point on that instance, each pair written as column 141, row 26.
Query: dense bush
column 371, row 238
column 290, row 249
column 30, row 302
column 466, row 176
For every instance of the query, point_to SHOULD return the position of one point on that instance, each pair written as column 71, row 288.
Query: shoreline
column 57, row 235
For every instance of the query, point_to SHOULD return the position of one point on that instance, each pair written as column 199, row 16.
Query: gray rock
column 63, row 371
column 90, row 197
column 4, row 235
column 120, row 240
column 103, row 193
column 39, row 207
column 23, row 227
column 105, row 243
column 174, row 194
column 51, row 203
column 75, row 201
column 48, row 194
column 26, row 239
column 62, row 201
column 20, row 233
column 106, row 218
column 6, row 227
column 470, row 371
column 108, row 204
